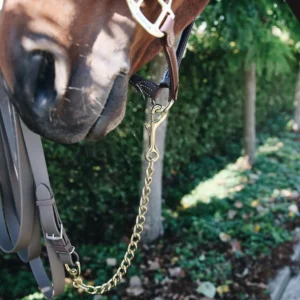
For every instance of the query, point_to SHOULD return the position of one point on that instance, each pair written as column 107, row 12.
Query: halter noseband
column 152, row 28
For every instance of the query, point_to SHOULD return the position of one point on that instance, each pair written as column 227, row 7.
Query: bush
column 97, row 186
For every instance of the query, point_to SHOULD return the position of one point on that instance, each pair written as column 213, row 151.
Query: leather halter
column 26, row 197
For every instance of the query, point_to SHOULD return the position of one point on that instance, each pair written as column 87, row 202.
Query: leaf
column 153, row 265
column 293, row 208
column 231, row 214
column 223, row 289
column 257, row 228
column 207, row 289
column 174, row 272
column 254, row 203
column 292, row 214
column 135, row 281
column 236, row 246
column 224, row 237
column 238, row 204
column 135, row 292
column 111, row 262
column 202, row 257
column 239, row 188
column 135, row 287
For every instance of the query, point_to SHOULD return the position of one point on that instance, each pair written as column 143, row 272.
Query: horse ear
column 186, row 11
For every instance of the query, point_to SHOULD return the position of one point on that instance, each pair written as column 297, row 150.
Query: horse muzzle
column 49, row 98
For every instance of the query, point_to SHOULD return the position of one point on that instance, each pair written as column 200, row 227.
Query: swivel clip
column 75, row 273
column 159, row 114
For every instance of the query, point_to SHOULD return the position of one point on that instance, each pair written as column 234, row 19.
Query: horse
column 67, row 64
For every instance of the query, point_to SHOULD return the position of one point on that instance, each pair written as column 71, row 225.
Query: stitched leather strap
column 18, row 217
column 24, row 195
column 49, row 216
column 170, row 80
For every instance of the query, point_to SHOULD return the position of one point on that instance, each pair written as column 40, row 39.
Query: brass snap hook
column 158, row 116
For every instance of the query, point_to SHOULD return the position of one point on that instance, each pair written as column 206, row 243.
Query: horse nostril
column 42, row 71
column 42, row 78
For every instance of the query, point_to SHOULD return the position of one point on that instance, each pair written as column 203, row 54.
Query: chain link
column 158, row 115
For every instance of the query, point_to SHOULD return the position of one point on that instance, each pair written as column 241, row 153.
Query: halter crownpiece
column 152, row 28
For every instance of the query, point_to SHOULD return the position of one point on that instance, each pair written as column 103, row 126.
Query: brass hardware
column 158, row 115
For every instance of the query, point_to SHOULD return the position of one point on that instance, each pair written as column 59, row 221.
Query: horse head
column 66, row 64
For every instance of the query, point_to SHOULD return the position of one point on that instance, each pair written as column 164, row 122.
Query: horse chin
column 113, row 112
column 90, row 128
column 109, row 118
column 102, row 127
column 107, row 121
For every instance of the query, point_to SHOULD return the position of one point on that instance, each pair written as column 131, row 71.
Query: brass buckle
column 152, row 28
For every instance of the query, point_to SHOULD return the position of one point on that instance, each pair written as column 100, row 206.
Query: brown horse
column 67, row 63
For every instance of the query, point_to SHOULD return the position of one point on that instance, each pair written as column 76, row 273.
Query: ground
column 226, row 241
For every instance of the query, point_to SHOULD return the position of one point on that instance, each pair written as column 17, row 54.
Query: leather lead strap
column 24, row 196
column 49, row 216
column 168, row 43
column 19, row 231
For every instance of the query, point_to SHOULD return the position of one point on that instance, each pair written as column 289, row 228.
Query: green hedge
column 97, row 185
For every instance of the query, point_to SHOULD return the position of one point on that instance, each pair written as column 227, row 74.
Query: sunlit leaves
column 243, row 29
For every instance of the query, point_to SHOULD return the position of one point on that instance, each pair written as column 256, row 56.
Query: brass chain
column 158, row 115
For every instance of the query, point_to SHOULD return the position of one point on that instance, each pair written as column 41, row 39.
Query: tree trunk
column 153, row 226
column 296, row 124
column 249, row 115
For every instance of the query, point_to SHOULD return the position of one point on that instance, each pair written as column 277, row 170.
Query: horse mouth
column 113, row 111
column 80, row 125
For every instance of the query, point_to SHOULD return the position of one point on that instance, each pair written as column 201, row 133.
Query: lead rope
column 158, row 115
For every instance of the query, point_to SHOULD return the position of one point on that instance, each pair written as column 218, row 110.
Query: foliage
column 242, row 219
column 264, row 32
